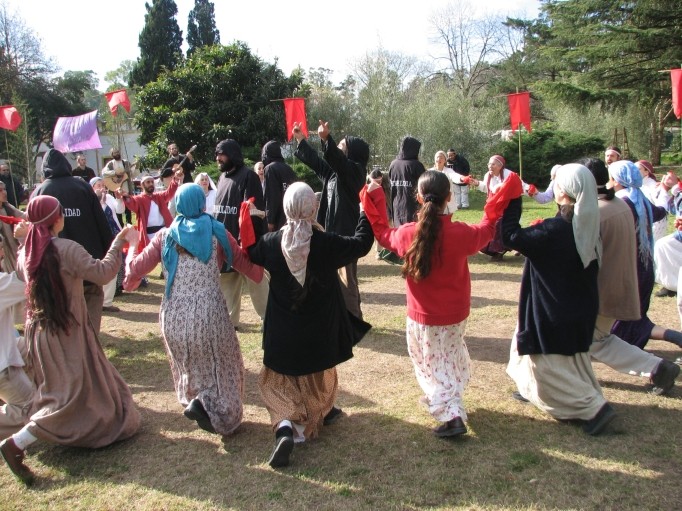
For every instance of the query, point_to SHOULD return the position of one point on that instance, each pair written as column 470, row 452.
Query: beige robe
column 80, row 399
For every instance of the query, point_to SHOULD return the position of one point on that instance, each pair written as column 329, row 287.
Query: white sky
column 100, row 34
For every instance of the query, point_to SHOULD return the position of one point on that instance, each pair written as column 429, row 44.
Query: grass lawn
column 383, row 454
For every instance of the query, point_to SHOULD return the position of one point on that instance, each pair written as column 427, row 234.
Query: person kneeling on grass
column 436, row 271
column 558, row 304
column 308, row 330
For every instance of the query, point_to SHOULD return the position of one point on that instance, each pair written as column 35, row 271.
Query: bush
column 545, row 147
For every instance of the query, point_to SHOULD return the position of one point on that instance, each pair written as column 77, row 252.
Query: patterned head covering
column 300, row 208
column 626, row 174
column 193, row 230
column 42, row 212
column 578, row 183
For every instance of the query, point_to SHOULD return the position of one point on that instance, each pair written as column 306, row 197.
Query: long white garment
column 442, row 366
column 561, row 385
column 667, row 260
column 659, row 197
column 11, row 294
column 454, row 178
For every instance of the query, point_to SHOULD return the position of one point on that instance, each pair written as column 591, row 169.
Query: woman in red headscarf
column 493, row 179
column 81, row 399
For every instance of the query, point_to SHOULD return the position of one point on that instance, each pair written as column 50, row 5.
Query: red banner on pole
column 9, row 118
column 676, row 78
column 519, row 110
column 117, row 97
column 294, row 111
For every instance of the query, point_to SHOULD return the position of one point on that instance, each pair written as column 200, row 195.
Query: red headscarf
column 648, row 167
column 42, row 212
column 499, row 159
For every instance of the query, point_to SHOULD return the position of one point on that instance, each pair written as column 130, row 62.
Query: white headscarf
column 300, row 208
column 579, row 184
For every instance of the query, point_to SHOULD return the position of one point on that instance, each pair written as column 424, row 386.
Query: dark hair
column 434, row 187
column 614, row 148
column 601, row 175
column 48, row 302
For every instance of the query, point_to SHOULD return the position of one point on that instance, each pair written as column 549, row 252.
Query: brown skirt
column 302, row 399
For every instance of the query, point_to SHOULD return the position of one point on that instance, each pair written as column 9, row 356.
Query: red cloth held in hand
column 466, row 180
column 532, row 190
column 373, row 215
column 511, row 188
column 11, row 220
column 246, row 235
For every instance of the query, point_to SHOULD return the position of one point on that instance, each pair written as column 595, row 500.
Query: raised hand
column 297, row 132
column 323, row 130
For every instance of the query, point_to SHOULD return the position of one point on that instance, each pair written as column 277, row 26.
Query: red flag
column 676, row 77
column 117, row 97
column 294, row 111
column 519, row 110
column 9, row 118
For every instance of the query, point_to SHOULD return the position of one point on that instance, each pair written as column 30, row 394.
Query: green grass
column 383, row 454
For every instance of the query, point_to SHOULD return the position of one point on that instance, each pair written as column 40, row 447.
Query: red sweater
column 444, row 297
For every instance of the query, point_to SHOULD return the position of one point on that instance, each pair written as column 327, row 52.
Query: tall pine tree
column 159, row 42
column 201, row 29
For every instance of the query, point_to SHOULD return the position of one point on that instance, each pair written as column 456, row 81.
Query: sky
column 99, row 34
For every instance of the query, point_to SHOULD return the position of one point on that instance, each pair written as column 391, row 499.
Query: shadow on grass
column 370, row 460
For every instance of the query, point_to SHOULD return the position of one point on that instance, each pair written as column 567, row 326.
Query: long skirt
column 561, row 385
column 668, row 260
column 303, row 400
column 442, row 366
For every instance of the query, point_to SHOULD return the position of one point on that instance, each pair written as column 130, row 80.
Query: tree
column 612, row 52
column 159, row 42
column 220, row 92
column 201, row 28
column 118, row 78
column 471, row 41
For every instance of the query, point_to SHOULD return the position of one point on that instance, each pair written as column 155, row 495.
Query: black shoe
column 598, row 423
column 333, row 416
column 663, row 377
column 452, row 427
column 284, row 444
column 144, row 282
column 195, row 411
column 665, row 292
column 678, row 361
column 519, row 397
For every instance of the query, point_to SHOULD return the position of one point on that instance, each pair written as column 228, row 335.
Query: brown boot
column 14, row 457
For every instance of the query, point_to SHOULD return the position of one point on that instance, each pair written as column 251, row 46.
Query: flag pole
column 28, row 156
column 11, row 174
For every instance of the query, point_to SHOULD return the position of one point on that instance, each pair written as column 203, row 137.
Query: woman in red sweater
column 435, row 249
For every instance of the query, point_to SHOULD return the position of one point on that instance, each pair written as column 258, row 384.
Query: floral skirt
column 442, row 366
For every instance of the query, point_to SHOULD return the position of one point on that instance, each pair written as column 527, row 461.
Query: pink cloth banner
column 676, row 77
column 76, row 133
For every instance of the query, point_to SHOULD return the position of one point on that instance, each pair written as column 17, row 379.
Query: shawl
column 42, row 212
column 626, row 174
column 579, row 184
column 300, row 208
column 193, row 230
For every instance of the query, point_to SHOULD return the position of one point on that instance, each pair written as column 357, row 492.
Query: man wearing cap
column 150, row 207
column 84, row 220
column 237, row 184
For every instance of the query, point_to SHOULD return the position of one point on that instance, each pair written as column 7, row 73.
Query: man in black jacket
column 186, row 160
column 84, row 220
column 15, row 191
column 342, row 172
column 278, row 176
column 460, row 165
column 237, row 184
column 404, row 173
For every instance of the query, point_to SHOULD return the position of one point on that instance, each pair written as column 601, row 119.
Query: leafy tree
column 220, row 92
column 612, row 52
column 118, row 78
column 201, row 28
column 159, row 42
column 545, row 147
column 335, row 104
